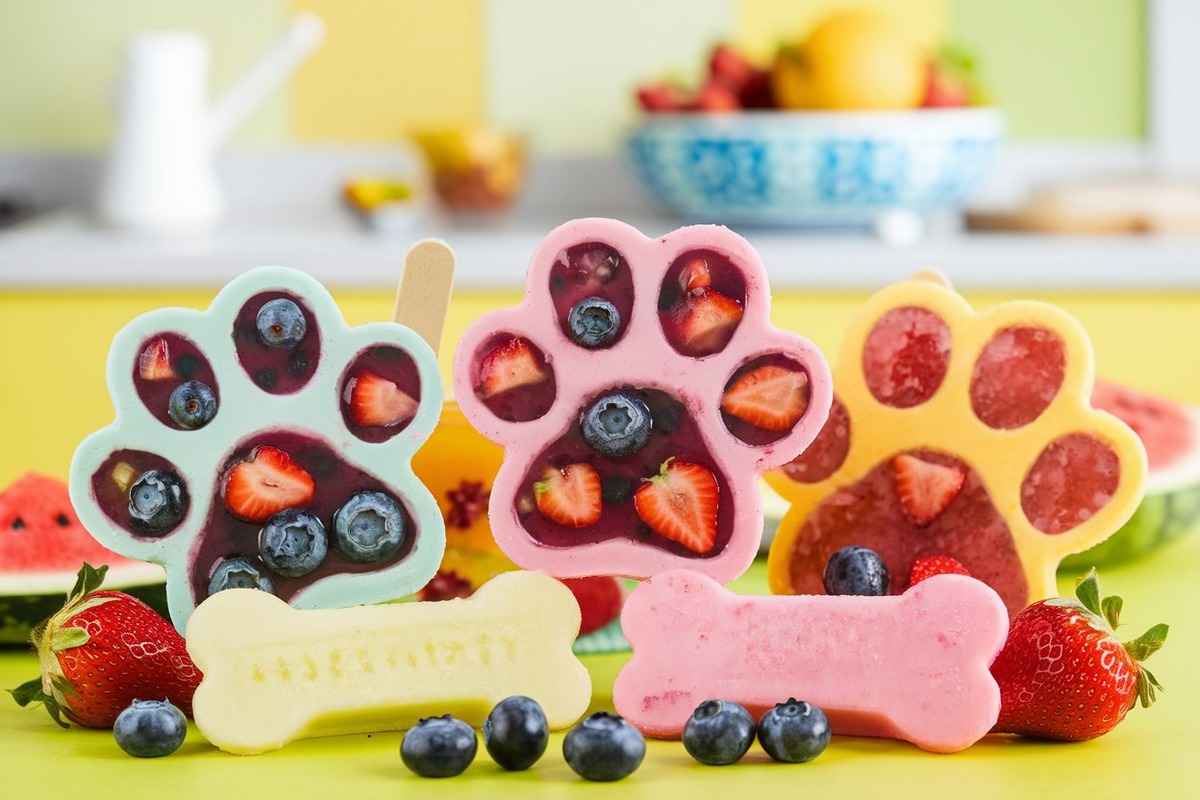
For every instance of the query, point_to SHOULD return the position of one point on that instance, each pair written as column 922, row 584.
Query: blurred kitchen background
column 1073, row 158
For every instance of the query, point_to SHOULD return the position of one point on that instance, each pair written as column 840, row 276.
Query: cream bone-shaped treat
column 912, row 666
column 273, row 674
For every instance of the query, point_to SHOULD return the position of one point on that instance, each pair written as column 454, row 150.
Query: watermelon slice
column 42, row 545
column 1171, row 433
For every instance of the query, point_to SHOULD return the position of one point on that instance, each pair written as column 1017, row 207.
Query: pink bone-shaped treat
column 643, row 358
column 911, row 666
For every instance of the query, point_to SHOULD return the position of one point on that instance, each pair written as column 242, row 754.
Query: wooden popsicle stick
column 423, row 295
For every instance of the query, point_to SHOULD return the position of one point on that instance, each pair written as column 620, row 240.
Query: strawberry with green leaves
column 1063, row 674
column 102, row 651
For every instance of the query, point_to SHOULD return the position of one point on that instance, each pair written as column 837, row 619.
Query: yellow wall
column 388, row 68
column 53, row 348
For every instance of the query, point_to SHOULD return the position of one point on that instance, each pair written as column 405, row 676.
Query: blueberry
column 616, row 489
column 150, row 728
column 239, row 572
column 157, row 500
column 187, row 365
column 369, row 527
column 439, row 747
column 856, row 570
column 293, row 542
column 516, row 732
column 718, row 732
column 192, row 405
column 280, row 323
column 794, row 732
column 298, row 364
column 593, row 323
column 616, row 425
column 266, row 378
column 604, row 747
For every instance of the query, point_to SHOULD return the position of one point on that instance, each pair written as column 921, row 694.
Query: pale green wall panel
column 59, row 62
column 1062, row 69
column 566, row 72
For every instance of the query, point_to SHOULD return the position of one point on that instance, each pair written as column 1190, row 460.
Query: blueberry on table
column 157, row 500
column 515, row 733
column 369, row 527
column 593, row 323
column 150, row 728
column 856, row 570
column 616, row 425
column 718, row 732
column 239, row 572
column 293, row 542
column 192, row 405
column 794, row 732
column 280, row 323
column 439, row 747
column 604, row 747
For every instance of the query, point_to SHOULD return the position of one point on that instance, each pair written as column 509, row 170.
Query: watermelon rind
column 27, row 599
column 1170, row 509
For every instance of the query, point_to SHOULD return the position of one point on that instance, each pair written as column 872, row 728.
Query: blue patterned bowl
column 814, row 168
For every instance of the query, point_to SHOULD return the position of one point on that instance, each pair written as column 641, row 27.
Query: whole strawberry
column 1064, row 675
column 102, row 651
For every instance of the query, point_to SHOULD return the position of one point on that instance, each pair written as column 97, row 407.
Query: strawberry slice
column 154, row 364
column 704, row 321
column 509, row 365
column 924, row 568
column 695, row 275
column 267, row 482
column 377, row 402
column 925, row 488
column 680, row 503
column 768, row 397
column 570, row 496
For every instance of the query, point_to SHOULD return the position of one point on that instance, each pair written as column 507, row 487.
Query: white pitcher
column 160, row 173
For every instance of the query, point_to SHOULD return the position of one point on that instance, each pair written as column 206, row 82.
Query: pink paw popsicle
column 912, row 667
column 963, row 434
column 264, row 444
column 638, row 390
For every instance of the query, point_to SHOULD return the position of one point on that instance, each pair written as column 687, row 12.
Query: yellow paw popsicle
column 963, row 434
column 273, row 674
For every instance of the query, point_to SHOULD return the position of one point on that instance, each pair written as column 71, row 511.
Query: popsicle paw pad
column 638, row 391
column 273, row 674
column 912, row 667
column 264, row 444
column 962, row 434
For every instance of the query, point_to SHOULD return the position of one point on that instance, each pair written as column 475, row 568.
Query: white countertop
column 66, row 251
column 284, row 209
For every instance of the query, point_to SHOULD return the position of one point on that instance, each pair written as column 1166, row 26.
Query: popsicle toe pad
column 962, row 434
column 638, row 390
column 912, row 667
column 273, row 674
column 263, row 443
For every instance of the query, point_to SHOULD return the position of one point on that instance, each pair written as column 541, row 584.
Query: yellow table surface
column 1151, row 754
column 52, row 353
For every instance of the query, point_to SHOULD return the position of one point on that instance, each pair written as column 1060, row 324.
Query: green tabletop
column 1150, row 755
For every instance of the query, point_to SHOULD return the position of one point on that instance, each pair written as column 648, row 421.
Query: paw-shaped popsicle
column 913, row 667
column 273, row 674
column 638, row 391
column 961, row 434
column 263, row 443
